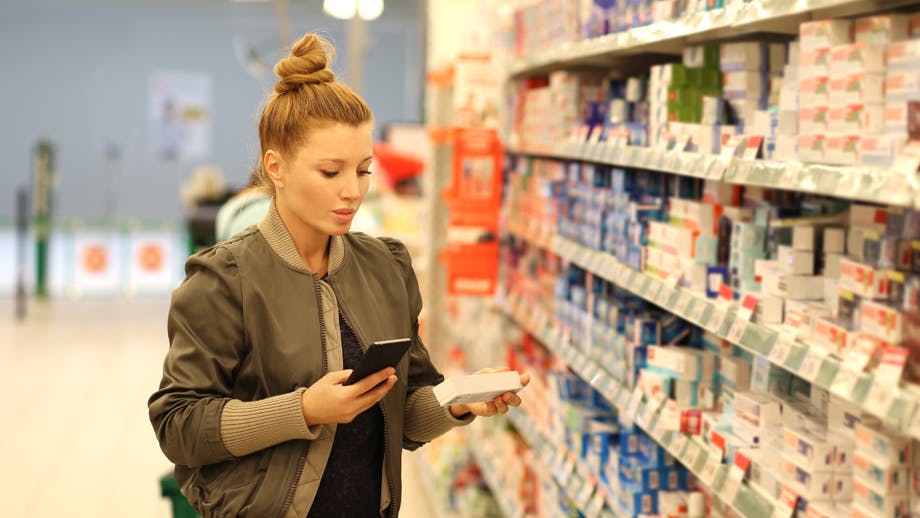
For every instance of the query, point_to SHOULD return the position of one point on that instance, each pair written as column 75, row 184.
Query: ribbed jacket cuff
column 426, row 419
column 249, row 426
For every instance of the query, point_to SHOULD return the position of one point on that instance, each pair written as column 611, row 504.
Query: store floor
column 75, row 440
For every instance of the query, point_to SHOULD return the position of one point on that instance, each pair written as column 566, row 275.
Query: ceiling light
column 370, row 9
column 341, row 9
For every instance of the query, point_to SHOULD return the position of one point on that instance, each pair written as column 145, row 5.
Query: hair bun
column 307, row 64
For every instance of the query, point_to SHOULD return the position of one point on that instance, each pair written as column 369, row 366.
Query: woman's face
column 318, row 190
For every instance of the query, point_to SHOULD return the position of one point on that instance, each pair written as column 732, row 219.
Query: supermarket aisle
column 74, row 437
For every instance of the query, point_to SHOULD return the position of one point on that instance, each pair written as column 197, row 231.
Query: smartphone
column 379, row 355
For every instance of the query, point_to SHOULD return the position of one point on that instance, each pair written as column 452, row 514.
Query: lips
column 344, row 212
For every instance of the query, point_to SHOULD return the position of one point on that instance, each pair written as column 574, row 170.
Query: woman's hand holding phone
column 330, row 401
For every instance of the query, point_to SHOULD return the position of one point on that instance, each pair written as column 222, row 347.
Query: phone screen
column 379, row 355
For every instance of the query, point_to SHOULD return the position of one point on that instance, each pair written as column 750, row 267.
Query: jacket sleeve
column 424, row 418
column 195, row 419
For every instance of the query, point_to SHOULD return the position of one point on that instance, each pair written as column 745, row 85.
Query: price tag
column 891, row 367
column 697, row 310
column 683, row 303
column 715, row 320
column 586, row 492
column 648, row 413
column 880, row 397
column 632, row 407
column 844, row 382
column 660, row 428
column 739, row 326
column 596, row 505
column 710, row 470
column 786, row 504
column 780, row 351
column 811, row 364
column 677, row 446
column 730, row 490
column 568, row 470
column 691, row 456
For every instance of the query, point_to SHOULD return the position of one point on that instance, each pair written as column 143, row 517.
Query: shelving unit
column 736, row 19
column 870, row 184
column 691, row 453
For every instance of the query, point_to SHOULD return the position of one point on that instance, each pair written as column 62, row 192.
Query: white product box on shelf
column 810, row 485
column 881, row 28
column 811, row 146
column 758, row 408
column 858, row 88
column 682, row 362
column 882, row 321
column 858, row 57
column 809, row 450
column 813, row 97
column 862, row 279
column 824, row 33
column 735, row 372
column 877, row 503
column 793, row 287
column 879, row 150
column 797, row 262
column 883, row 446
column 476, row 387
column 880, row 476
column 904, row 54
column 902, row 85
column 857, row 119
column 843, row 416
column 841, row 149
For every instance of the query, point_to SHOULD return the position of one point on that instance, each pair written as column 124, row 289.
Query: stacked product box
column 627, row 112
column 747, row 69
column 816, row 39
column 902, row 82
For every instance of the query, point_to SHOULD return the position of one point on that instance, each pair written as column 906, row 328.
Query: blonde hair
column 306, row 97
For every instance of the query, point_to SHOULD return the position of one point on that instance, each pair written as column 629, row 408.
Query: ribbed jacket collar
column 278, row 237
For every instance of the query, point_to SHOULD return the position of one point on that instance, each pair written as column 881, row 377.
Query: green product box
column 711, row 78
column 694, row 76
column 711, row 57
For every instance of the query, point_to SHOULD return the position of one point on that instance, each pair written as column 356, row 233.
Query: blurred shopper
column 245, row 208
column 266, row 327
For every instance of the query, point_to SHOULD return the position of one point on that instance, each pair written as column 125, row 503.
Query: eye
column 329, row 174
column 363, row 173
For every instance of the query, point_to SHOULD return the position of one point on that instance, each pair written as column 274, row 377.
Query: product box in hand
column 476, row 388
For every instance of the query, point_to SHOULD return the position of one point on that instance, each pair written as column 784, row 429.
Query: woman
column 266, row 327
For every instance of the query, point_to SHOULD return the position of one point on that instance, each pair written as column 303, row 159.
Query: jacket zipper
column 386, row 420
column 322, row 341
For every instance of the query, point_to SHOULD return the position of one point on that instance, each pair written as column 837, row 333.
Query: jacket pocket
column 224, row 489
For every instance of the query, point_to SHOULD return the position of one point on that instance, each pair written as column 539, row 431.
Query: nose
column 351, row 187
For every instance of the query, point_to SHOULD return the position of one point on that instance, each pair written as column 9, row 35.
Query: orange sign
column 95, row 258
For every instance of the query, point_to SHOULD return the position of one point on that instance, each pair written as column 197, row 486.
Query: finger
column 338, row 377
column 371, row 397
column 511, row 399
column 525, row 379
column 373, row 380
column 484, row 371
column 490, row 409
column 500, row 406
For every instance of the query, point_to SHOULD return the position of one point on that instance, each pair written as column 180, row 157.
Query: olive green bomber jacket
column 250, row 329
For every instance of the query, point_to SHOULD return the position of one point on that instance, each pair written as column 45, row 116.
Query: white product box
column 857, row 58
column 881, row 28
column 904, row 54
column 803, row 237
column 868, row 215
column 843, row 416
column 882, row 445
column 859, row 88
column 736, row 372
column 829, row 335
column 902, row 85
column 845, row 448
column 879, row 150
column 751, row 434
column 832, row 266
column 862, row 279
column 682, row 362
column 761, row 410
column 810, row 485
column 811, row 146
column 814, row 92
column 841, row 149
column 896, row 118
column 476, row 387
column 857, row 119
column 881, row 477
column 793, row 287
column 813, row 62
column 787, row 145
column 769, row 308
column 824, row 33
column 751, row 84
column 882, row 321
column 809, row 450
column 878, row 503
column 843, row 488
column 834, row 240
column 813, row 119
column 796, row 262
column 787, row 123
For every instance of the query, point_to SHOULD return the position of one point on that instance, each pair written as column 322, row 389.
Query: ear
column 272, row 164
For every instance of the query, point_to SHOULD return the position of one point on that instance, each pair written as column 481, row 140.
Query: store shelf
column 670, row 37
column 743, row 499
column 488, row 465
column 871, row 184
column 426, row 477
column 894, row 405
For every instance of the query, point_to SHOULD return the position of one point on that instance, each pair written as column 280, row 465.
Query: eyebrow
column 340, row 161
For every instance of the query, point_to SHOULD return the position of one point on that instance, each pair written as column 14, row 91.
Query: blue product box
column 676, row 479
column 646, row 331
column 629, row 446
column 635, row 501
column 716, row 276
column 673, row 329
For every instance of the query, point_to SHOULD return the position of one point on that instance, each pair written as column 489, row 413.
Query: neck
column 312, row 246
